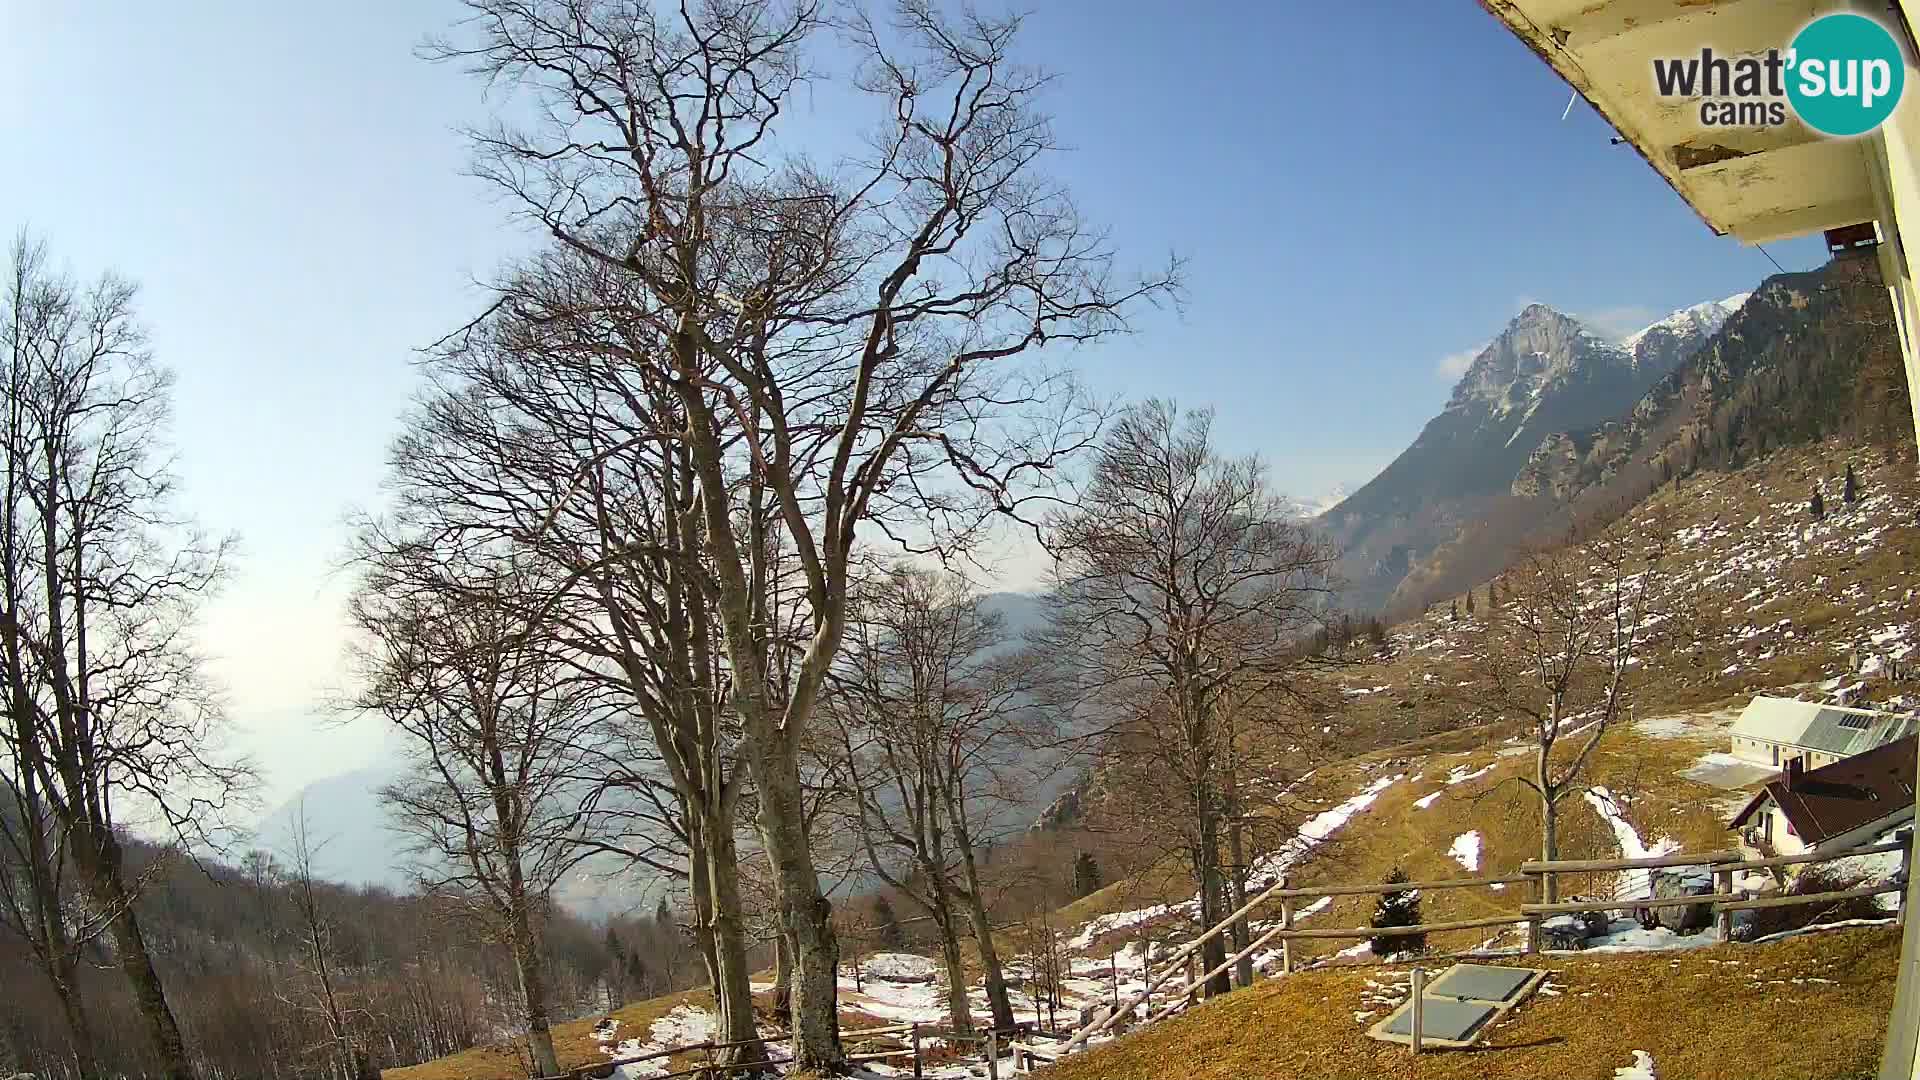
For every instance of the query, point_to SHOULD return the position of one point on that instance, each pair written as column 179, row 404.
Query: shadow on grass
column 1482, row 1048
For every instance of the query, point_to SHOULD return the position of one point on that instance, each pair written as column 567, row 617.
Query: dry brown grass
column 1727, row 1011
column 573, row 1043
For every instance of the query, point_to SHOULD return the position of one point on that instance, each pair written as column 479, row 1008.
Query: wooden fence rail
column 1724, row 901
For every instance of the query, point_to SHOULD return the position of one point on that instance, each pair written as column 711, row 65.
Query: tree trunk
column 99, row 861
column 1212, row 890
column 807, row 914
column 700, row 891
column 959, row 1013
column 1237, row 877
column 74, row 1008
column 733, row 989
column 998, row 1001
column 1237, row 897
column 533, row 990
column 1549, row 848
column 783, row 971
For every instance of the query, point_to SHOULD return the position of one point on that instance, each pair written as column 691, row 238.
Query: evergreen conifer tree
column 1400, row 908
column 1086, row 874
column 1818, row 507
column 1851, row 491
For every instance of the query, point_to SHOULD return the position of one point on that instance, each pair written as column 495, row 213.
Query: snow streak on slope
column 1316, row 830
column 1634, row 884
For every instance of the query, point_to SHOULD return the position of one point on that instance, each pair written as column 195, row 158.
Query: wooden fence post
column 707, row 1073
column 1723, row 884
column 916, row 1052
column 1193, row 981
column 1286, row 924
column 1419, row 994
column 993, row 1053
column 1113, row 965
column 1536, row 892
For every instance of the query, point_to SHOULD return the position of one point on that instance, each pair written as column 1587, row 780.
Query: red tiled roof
column 1839, row 798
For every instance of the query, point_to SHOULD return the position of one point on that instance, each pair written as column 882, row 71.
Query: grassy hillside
column 1760, row 599
column 1808, row 1008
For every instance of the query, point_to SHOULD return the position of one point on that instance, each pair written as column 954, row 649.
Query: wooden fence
column 1537, row 876
column 1018, row 1055
column 996, row 1047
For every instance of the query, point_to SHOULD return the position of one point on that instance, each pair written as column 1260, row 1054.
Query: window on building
column 1776, row 756
column 1855, row 721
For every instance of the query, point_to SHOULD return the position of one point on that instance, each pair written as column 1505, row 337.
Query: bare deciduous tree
column 941, row 738
column 1182, row 591
column 1558, row 654
column 322, row 990
column 836, row 341
column 110, row 720
column 497, row 731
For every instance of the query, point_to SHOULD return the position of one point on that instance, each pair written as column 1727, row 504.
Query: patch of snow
column 1466, row 849
column 1319, row 827
column 1120, row 920
column 684, row 1026
column 900, row 967
column 1460, row 774
column 1641, row 1069
column 1635, row 884
column 1627, row 935
column 1821, row 928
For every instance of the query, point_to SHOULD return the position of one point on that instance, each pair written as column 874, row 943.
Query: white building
column 1836, row 807
column 1778, row 731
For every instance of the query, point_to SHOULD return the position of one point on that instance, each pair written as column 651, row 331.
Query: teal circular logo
column 1845, row 74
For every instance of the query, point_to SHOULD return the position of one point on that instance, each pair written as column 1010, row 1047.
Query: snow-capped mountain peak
column 1308, row 507
column 1691, row 324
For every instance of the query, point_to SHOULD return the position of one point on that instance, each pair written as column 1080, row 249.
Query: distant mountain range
column 1544, row 375
column 356, row 844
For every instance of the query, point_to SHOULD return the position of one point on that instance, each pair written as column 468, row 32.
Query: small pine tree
column 1086, row 875
column 1400, row 908
column 1453, row 610
column 887, row 924
column 1469, row 601
column 1818, row 507
column 1850, row 491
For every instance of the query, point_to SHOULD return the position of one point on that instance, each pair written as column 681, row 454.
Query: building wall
column 1784, row 841
column 1895, row 155
column 1758, row 751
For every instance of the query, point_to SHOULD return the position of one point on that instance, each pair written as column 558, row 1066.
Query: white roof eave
column 1756, row 183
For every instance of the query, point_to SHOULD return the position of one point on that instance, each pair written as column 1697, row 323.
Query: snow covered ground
column 1466, row 849
column 1641, row 1069
column 1634, row 884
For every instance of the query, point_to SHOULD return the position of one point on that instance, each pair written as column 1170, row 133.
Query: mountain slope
column 1545, row 373
column 1808, row 355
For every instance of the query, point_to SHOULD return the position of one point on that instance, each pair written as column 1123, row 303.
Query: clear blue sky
column 1361, row 191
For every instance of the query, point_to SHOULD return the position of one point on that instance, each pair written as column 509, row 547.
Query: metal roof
column 1836, row 799
column 1828, row 729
